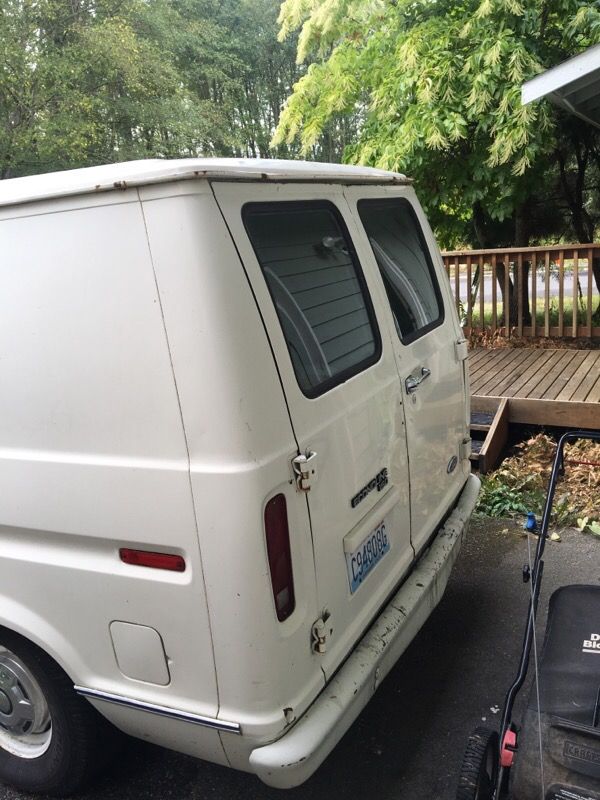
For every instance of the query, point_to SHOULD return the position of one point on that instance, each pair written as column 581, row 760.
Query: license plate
column 367, row 555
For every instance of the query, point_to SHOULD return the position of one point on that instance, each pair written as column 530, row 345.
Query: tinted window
column 318, row 290
column 405, row 265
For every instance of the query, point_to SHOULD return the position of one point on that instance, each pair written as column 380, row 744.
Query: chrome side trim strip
column 161, row 711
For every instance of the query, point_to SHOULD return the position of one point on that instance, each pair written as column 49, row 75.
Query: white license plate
column 367, row 555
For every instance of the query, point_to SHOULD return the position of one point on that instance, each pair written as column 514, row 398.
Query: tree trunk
column 511, row 301
column 516, row 289
column 522, row 240
column 525, row 293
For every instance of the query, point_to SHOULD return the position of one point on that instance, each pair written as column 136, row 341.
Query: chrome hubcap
column 25, row 723
column 5, row 704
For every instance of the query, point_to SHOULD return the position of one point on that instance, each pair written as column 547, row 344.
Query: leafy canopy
column 92, row 81
column 436, row 85
column 88, row 81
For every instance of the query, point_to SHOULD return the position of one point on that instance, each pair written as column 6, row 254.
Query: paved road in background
column 540, row 288
column 408, row 743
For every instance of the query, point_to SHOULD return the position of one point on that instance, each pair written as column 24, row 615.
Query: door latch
column 413, row 382
column 305, row 470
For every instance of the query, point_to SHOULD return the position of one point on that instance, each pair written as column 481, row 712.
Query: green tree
column 92, row 81
column 232, row 59
column 437, row 87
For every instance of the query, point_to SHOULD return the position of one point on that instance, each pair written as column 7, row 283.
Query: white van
column 234, row 458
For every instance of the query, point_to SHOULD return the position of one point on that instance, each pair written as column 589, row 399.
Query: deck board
column 584, row 369
column 516, row 372
column 559, row 364
column 544, row 386
column 586, row 384
column 510, row 372
column 532, row 375
column 594, row 395
column 488, row 363
column 489, row 374
column 538, row 376
column 478, row 355
column 563, row 379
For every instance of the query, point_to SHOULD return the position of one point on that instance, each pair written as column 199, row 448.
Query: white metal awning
column 574, row 85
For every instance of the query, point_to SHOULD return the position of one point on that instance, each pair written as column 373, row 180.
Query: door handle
column 413, row 382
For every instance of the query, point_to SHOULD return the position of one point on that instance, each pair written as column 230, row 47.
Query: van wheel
column 49, row 736
column 479, row 769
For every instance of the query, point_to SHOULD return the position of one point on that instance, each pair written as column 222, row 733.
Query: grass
column 539, row 315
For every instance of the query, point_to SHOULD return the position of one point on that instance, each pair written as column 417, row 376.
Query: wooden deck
column 543, row 387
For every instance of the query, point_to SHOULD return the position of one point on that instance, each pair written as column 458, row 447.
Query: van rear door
column 337, row 365
column 429, row 348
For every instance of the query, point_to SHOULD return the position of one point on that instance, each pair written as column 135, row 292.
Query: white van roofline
column 124, row 175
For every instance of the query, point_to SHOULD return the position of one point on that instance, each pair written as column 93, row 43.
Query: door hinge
column 461, row 350
column 321, row 632
column 305, row 470
column 465, row 448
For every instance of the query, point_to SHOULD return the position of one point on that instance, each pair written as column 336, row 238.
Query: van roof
column 139, row 173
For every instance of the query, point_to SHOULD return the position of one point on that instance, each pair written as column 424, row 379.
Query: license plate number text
column 366, row 556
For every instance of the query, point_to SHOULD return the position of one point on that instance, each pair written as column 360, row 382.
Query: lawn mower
column 555, row 754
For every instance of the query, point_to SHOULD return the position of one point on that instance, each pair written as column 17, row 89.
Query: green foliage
column 508, row 493
column 92, row 81
column 436, row 88
column 86, row 82
column 504, row 495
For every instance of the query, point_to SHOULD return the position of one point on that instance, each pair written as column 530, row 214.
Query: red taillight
column 280, row 557
column 146, row 558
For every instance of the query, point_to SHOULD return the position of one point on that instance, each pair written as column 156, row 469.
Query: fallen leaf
column 595, row 528
column 555, row 537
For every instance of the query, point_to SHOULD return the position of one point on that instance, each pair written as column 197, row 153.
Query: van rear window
column 318, row 289
column 405, row 265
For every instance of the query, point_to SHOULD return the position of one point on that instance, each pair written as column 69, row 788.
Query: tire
column 479, row 769
column 50, row 737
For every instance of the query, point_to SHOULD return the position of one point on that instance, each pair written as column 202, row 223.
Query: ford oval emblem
column 452, row 465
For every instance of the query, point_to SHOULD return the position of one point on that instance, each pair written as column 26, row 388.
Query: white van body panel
column 241, row 445
column 356, row 429
column 149, row 403
column 436, row 413
column 92, row 452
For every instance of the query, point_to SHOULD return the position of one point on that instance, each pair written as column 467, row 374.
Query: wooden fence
column 551, row 291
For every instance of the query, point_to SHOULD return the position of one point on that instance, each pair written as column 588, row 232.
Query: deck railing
column 530, row 291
